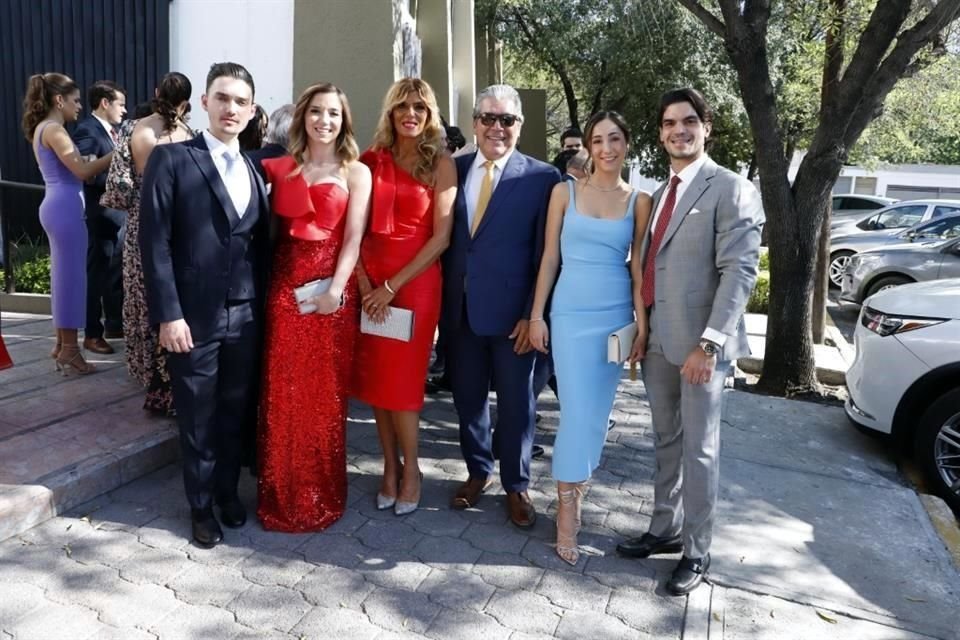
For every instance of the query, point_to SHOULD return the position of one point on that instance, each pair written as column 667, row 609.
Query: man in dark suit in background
column 203, row 234
column 96, row 135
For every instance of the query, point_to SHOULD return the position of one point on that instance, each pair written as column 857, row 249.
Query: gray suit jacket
column 707, row 263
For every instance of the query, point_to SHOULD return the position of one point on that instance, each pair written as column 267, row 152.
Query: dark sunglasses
column 506, row 119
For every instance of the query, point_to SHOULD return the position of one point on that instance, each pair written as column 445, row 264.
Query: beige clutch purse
column 620, row 342
column 398, row 325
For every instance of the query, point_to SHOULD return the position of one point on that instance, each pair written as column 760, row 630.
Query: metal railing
column 10, row 283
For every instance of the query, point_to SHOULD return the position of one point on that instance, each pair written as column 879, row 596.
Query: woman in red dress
column 321, row 195
column 414, row 185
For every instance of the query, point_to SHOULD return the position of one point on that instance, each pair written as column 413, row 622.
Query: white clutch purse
column 620, row 342
column 398, row 325
column 310, row 290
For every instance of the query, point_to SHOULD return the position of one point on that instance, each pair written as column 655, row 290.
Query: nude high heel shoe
column 403, row 508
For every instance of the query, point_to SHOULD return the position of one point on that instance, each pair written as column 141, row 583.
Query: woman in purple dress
column 53, row 99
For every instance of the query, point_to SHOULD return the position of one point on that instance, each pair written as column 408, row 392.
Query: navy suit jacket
column 496, row 269
column 197, row 252
column 91, row 138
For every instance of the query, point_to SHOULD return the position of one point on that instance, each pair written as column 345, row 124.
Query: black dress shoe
column 232, row 512
column 206, row 530
column 649, row 545
column 688, row 575
column 536, row 451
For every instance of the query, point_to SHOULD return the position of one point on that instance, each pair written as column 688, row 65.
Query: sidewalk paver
column 817, row 537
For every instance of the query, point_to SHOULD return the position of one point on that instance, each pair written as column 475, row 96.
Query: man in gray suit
column 700, row 264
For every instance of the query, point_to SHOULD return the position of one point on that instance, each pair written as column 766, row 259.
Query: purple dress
column 61, row 215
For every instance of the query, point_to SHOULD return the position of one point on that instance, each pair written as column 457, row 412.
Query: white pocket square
column 694, row 212
column 269, row 187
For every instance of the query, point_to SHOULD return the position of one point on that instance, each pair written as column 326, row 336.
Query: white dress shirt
column 106, row 127
column 471, row 186
column 687, row 174
column 232, row 169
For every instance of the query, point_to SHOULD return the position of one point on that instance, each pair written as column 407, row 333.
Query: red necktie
column 115, row 135
column 646, row 290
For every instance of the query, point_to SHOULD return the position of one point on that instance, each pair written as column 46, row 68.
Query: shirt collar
column 688, row 173
column 218, row 148
column 499, row 164
column 106, row 125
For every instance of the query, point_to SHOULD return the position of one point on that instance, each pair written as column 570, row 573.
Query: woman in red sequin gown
column 320, row 195
column 414, row 186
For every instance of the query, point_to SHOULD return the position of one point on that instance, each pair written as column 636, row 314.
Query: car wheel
column 938, row 446
column 887, row 283
column 838, row 264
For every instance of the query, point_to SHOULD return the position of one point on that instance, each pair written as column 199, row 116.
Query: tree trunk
column 821, row 285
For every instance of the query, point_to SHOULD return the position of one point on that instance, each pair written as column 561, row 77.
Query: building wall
column 254, row 33
column 350, row 43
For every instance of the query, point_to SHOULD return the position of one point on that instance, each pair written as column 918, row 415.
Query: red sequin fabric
column 302, row 482
column 390, row 374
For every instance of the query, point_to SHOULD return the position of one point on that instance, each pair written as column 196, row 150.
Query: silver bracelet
column 386, row 285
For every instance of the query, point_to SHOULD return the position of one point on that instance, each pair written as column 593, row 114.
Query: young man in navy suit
column 489, row 274
column 203, row 233
column 95, row 135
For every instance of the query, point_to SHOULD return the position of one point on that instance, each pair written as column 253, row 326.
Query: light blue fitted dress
column 592, row 298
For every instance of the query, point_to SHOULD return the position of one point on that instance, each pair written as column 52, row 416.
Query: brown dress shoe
column 97, row 345
column 469, row 492
column 521, row 509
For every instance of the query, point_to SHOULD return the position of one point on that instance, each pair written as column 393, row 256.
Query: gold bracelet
column 386, row 285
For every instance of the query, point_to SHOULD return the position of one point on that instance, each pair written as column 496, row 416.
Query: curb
column 945, row 523
column 25, row 506
column 36, row 303
column 833, row 377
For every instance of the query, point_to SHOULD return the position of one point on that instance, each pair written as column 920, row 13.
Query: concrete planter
column 38, row 303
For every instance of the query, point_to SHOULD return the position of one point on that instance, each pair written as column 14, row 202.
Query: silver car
column 879, row 269
column 896, row 216
column 855, row 204
column 842, row 248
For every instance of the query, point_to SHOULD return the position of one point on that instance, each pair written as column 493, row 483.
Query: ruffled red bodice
column 312, row 211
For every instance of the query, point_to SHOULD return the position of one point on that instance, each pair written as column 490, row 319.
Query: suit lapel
column 657, row 195
column 201, row 155
column 508, row 181
column 105, row 138
column 700, row 184
column 460, row 210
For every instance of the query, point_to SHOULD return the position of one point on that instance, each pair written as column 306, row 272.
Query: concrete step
column 66, row 440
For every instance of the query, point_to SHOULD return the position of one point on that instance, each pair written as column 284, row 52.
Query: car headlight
column 883, row 324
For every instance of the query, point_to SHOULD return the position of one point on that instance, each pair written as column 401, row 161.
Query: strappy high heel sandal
column 70, row 361
column 568, row 523
column 55, row 352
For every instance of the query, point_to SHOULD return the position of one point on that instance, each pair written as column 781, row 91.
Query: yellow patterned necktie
column 483, row 198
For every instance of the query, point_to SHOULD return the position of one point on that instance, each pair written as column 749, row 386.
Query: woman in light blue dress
column 591, row 225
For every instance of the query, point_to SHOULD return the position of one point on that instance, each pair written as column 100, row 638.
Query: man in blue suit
column 489, row 274
column 95, row 135
column 203, row 235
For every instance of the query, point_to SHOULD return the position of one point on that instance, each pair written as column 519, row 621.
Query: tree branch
column 710, row 21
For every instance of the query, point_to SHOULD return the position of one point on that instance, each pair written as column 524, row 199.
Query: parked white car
column 905, row 379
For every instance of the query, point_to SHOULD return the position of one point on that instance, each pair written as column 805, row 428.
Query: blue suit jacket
column 496, row 269
column 91, row 138
column 197, row 252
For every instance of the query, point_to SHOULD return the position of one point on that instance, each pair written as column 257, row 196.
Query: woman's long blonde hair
column 347, row 149
column 430, row 145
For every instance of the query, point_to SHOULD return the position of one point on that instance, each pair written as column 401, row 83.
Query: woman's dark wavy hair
column 174, row 89
column 42, row 90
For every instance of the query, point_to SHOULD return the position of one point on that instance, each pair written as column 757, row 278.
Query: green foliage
column 620, row 55
column 920, row 121
column 764, row 260
column 760, row 296
column 31, row 266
